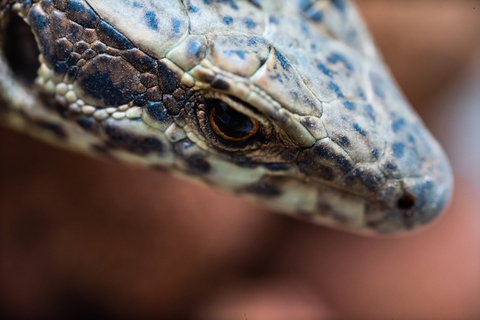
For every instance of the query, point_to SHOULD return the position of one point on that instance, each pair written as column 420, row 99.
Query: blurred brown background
column 80, row 238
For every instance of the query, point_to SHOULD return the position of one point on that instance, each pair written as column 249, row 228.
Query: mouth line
column 405, row 201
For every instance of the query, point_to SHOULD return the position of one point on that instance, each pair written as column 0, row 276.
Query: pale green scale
column 222, row 17
column 144, row 23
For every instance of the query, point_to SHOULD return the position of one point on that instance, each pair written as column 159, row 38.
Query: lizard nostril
column 406, row 202
column 20, row 49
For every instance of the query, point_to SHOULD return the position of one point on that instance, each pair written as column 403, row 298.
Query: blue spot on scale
column 360, row 93
column 324, row 69
column 349, row 105
column 304, row 28
column 370, row 112
column 398, row 149
column 239, row 53
column 378, row 91
column 151, row 19
column 398, row 124
column 344, row 141
column 254, row 40
column 377, row 81
column 317, row 16
column 359, row 130
column 332, row 86
column 339, row 4
column 337, row 57
column 194, row 48
column 193, row 9
column 304, row 4
column 227, row 20
column 274, row 20
column 233, row 5
column 250, row 23
column 282, row 59
column 176, row 25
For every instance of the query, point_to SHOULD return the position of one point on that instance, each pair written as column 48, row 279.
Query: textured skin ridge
column 338, row 143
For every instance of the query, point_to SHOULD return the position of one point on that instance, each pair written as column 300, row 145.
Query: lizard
column 285, row 103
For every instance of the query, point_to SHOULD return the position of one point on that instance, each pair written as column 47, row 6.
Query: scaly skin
column 337, row 143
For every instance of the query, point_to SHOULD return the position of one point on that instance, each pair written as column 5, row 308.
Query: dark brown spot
column 86, row 123
column 112, row 38
column 149, row 80
column 220, row 84
column 264, row 188
column 197, row 164
column 101, row 150
column 108, row 81
column 160, row 168
column 309, row 166
column 81, row 13
column 168, row 79
column 139, row 60
column 54, row 128
column 136, row 144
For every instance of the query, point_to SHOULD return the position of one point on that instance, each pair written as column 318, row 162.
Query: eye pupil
column 232, row 122
column 229, row 123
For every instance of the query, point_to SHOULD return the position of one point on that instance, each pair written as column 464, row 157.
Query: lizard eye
column 228, row 123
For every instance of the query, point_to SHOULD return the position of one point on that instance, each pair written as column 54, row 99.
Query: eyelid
column 239, row 106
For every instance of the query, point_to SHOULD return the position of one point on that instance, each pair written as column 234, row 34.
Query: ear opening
column 20, row 49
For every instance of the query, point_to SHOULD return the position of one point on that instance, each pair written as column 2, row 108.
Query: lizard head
column 301, row 116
